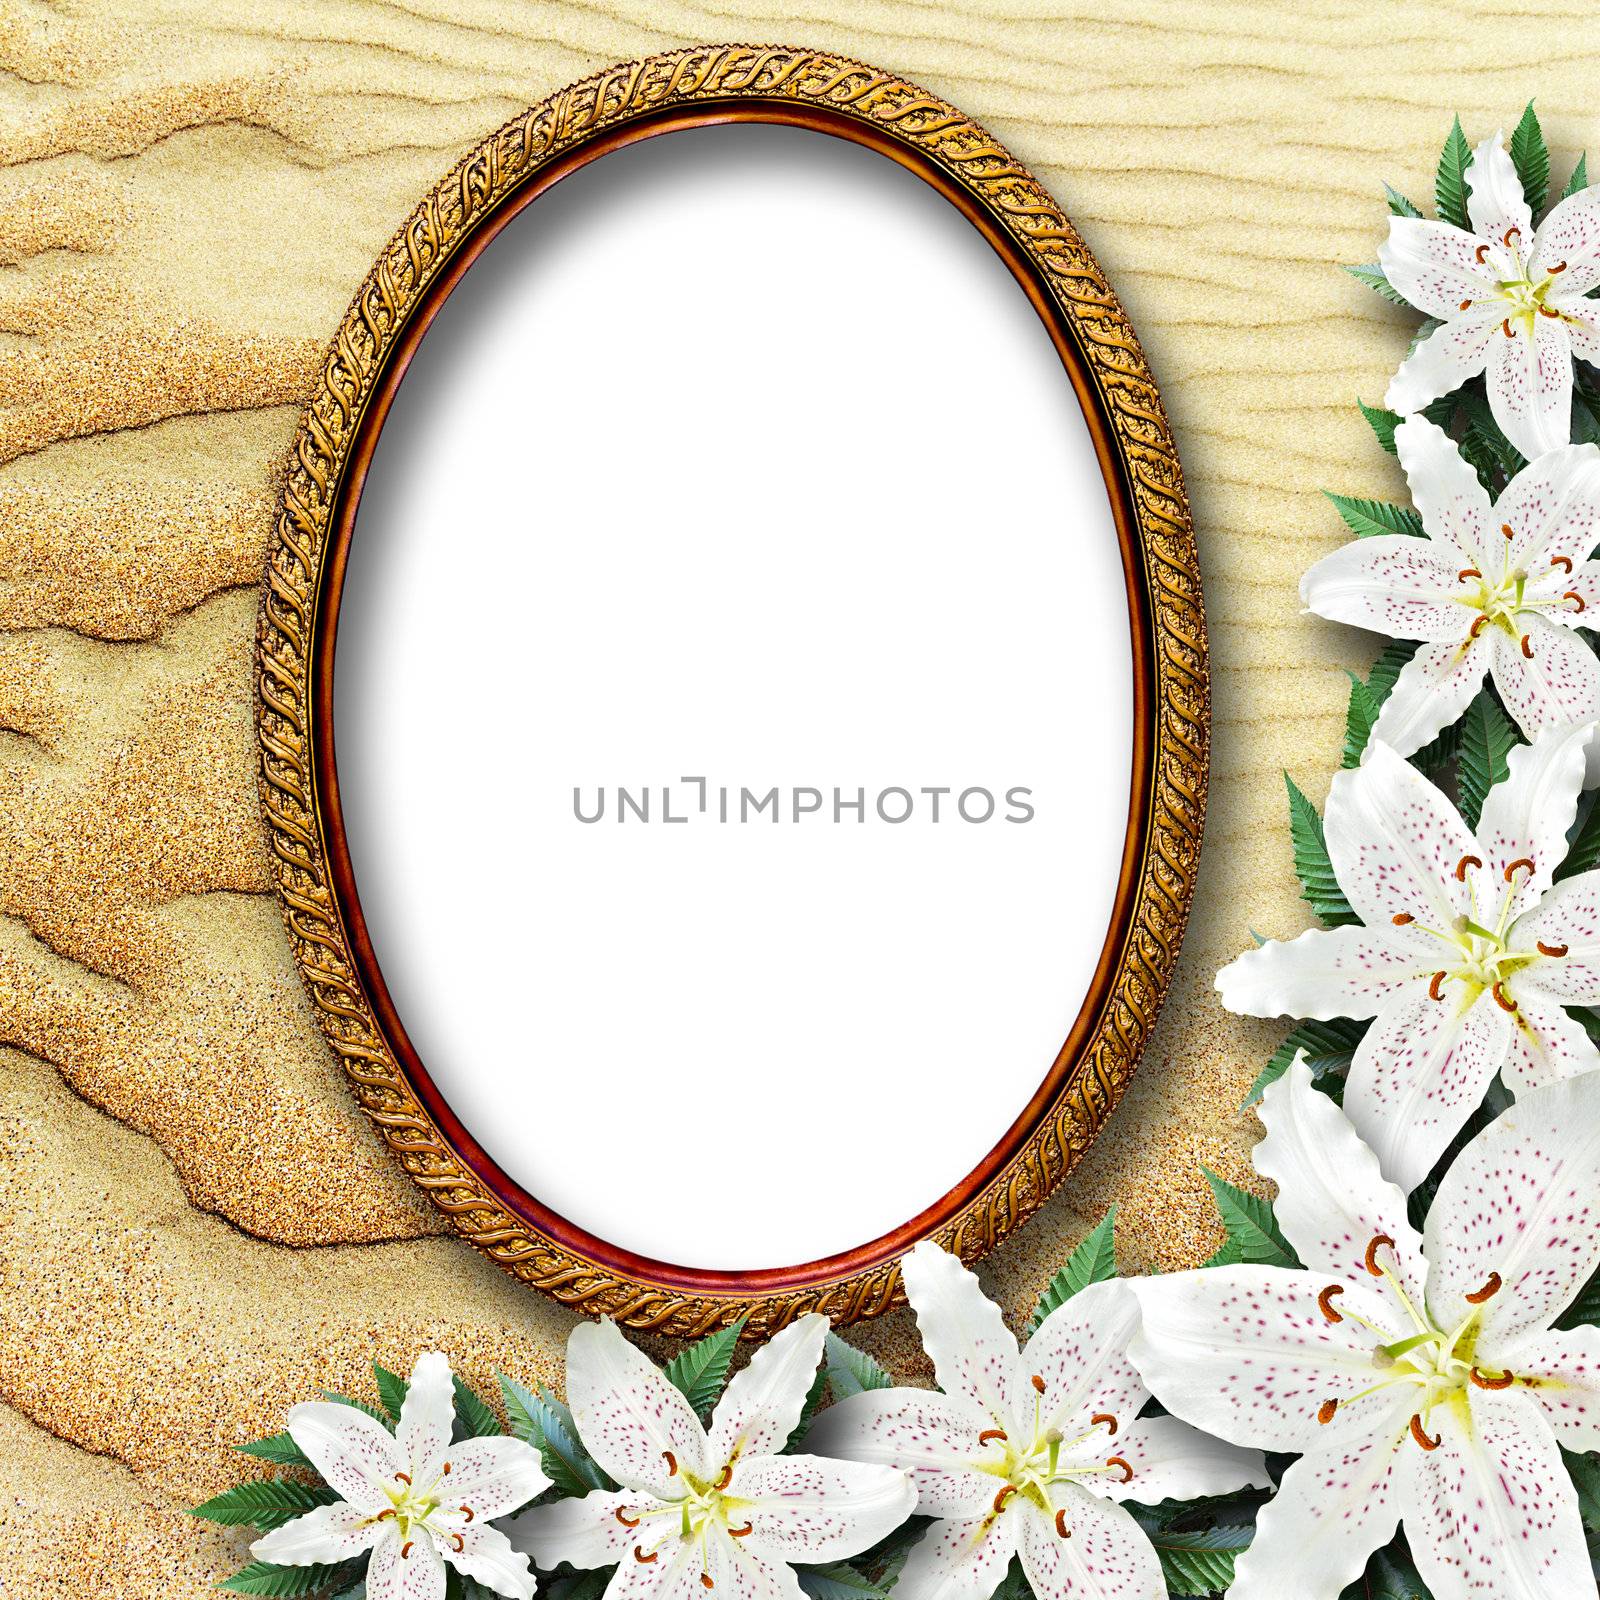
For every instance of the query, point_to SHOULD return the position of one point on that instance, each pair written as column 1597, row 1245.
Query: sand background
column 196, row 1226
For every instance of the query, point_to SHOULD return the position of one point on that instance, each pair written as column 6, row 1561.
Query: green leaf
column 1387, row 668
column 815, row 1395
column 1584, row 1470
column 1579, row 179
column 1364, row 518
column 1359, row 717
column 541, row 1420
column 1484, row 427
column 1200, row 1561
column 1532, row 160
column 1450, row 185
column 267, row 1578
column 265, row 1503
column 1311, row 864
column 359, row 1405
column 1094, row 1261
column 1487, row 738
column 391, row 1389
column 1329, row 1046
column 1390, row 1575
column 850, row 1370
column 1254, row 1238
column 700, row 1372
column 1383, row 424
column 838, row 1580
column 278, row 1448
column 474, row 1417
column 587, row 1585
column 1585, row 1310
column 1583, row 852
column 1398, row 203
column 1374, row 279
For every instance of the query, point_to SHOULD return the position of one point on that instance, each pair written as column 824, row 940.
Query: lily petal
column 673, row 1574
column 1332, row 1510
column 356, row 1456
column 1433, row 690
column 974, row 1353
column 1583, row 328
column 1434, row 265
column 1564, row 1369
column 1396, row 843
column 487, row 1555
column 330, row 1533
column 1248, row 1354
column 1420, row 1071
column 1449, row 357
column 762, row 1405
column 1454, row 506
column 1108, row 1556
column 1568, row 920
column 1553, row 510
column 806, row 1508
column 1516, row 1221
column 494, row 1476
column 1554, row 683
column 1495, row 201
column 957, row 1560
column 1391, row 584
column 584, row 1531
column 1527, row 816
column 739, row 1573
column 416, row 1574
column 1492, row 1510
column 638, row 1427
column 1546, row 1044
column 1172, row 1461
column 1558, row 585
column 1570, row 234
column 1530, row 385
column 1079, row 1357
column 931, row 1436
column 427, row 1417
column 1326, row 972
column 1332, row 1198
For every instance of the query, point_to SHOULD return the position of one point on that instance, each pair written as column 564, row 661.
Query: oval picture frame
column 310, row 858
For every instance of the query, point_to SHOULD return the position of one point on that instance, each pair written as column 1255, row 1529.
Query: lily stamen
column 466, row 1511
column 1126, row 1469
column 1062, row 1530
column 1576, row 598
column 726, row 1478
column 1105, row 1417
column 1501, row 999
column 1463, row 864
column 1527, row 647
column 1564, row 562
column 625, row 1519
column 1467, row 572
column 672, row 1463
column 1420, row 1434
column 742, row 1533
column 1505, row 528
column 1326, row 1411
column 992, row 1433
column 1503, row 1381
column 1549, row 949
column 1433, row 994
column 643, row 1559
column 1325, row 1302
column 1491, row 1287
column 1521, row 861
column 1376, row 1243
column 1004, row 1493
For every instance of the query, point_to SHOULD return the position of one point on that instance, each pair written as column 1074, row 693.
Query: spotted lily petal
column 1333, row 1200
column 974, row 1353
column 1553, row 510
column 931, row 1436
column 1568, row 240
column 1530, row 385
column 356, row 1456
column 485, row 1554
column 1077, row 1364
column 1169, row 1460
column 1392, row 584
column 762, row 1406
column 1583, row 328
column 1434, row 265
column 1546, row 1044
column 1447, row 358
column 405, row 1569
column 1433, row 690
column 1454, row 506
column 585, row 1531
column 1563, row 935
column 1333, row 972
column 1526, row 818
column 1108, row 1556
column 1495, row 201
column 1548, row 678
column 493, row 1476
column 1514, row 1231
column 1559, row 591
column 958, row 1560
column 427, row 1417
column 1492, row 1511
column 634, row 1423
column 330, row 1533
column 806, row 1508
column 1562, row 1369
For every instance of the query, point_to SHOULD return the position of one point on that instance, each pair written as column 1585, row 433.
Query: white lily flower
column 1468, row 954
column 1512, row 301
column 1491, row 590
column 1417, row 1376
column 1028, row 1452
column 412, row 1498
column 723, row 1511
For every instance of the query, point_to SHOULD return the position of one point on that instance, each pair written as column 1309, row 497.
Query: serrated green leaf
column 1254, row 1238
column 475, row 1418
column 838, row 1580
column 1485, row 427
column 1094, row 1261
column 278, row 1448
column 267, row 1578
column 1383, row 424
column 1360, row 714
column 264, row 1503
column 1390, row 1575
column 587, row 1585
column 1200, row 1561
column 1579, row 179
column 815, row 1395
column 1450, row 182
column 539, row 1419
column 1387, row 668
column 1584, row 1470
column 358, row 1405
column 391, row 1389
column 1583, row 846
column 1311, row 864
column 1585, row 1309
column 700, row 1372
column 850, row 1371
column 1374, row 279
column 1531, row 158
column 1398, row 203
column 1487, row 738
column 1366, row 518
column 1329, row 1048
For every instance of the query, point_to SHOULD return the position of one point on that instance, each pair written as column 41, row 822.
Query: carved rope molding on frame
column 407, row 266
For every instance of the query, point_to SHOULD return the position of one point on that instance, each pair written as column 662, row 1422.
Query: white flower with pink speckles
column 1417, row 1376
column 1512, row 302
column 1028, row 1452
column 1468, row 954
column 413, row 1498
column 1492, row 590
column 720, row 1512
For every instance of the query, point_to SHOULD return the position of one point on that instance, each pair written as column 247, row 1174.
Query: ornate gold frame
column 299, row 785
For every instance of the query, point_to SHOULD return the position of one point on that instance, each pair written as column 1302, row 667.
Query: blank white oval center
column 738, row 462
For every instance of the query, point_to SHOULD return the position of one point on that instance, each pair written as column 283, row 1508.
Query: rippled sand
column 196, row 1228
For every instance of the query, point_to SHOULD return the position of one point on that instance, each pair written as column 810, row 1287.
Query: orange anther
column 1503, row 1380
column 1434, row 984
column 1401, row 918
column 1505, row 528
column 1325, row 1302
column 466, row 1511
column 672, row 1463
column 1325, row 1412
column 1467, row 572
column 1505, row 328
column 1560, row 266
column 1545, row 311
column 1004, row 1493
column 1477, row 627
column 405, row 1549
column 1105, row 1417
column 991, row 1433
column 705, row 1581
column 1565, row 562
column 1420, row 1434
column 460, row 1542
column 1511, row 233
column 1501, row 998
column 1521, row 861
column 1491, row 1287
column 1466, row 305
column 1463, row 864
column 1527, row 648
column 623, row 1517
column 1549, row 949
column 1378, row 1241
column 742, row 1533
column 726, row 1478
column 1479, row 254
column 1062, row 1530
column 445, row 1470
column 643, row 1559
column 1577, row 599
column 403, row 1477
column 1038, row 1383
column 1117, row 1461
